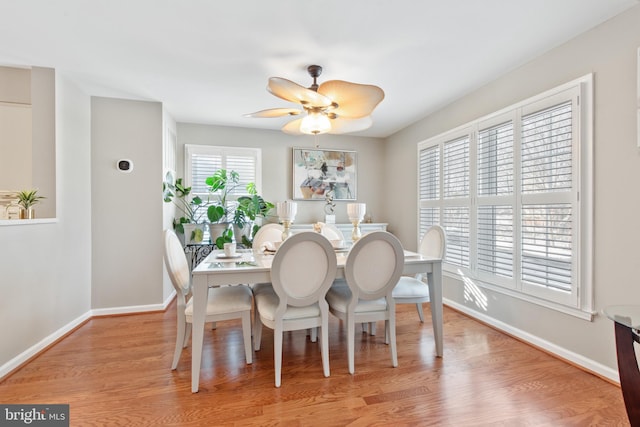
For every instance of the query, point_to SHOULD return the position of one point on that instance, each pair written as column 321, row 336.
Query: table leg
column 434, row 280
column 628, row 369
column 200, row 293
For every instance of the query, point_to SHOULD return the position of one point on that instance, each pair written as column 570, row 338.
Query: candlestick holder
column 356, row 213
column 286, row 213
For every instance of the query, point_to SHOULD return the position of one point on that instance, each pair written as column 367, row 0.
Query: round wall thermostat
column 124, row 165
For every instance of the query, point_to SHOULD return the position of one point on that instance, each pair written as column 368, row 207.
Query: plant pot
column 216, row 230
column 193, row 234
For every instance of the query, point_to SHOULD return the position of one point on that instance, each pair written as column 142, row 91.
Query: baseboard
column 133, row 309
column 37, row 348
column 582, row 362
column 33, row 351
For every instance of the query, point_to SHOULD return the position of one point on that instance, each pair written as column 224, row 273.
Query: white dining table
column 253, row 267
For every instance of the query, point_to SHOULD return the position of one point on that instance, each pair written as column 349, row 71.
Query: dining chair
column 331, row 232
column 414, row 290
column 224, row 303
column 373, row 266
column 271, row 233
column 267, row 235
column 302, row 271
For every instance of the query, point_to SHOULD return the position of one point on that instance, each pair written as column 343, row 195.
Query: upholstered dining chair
column 224, row 303
column 374, row 265
column 414, row 290
column 271, row 233
column 267, row 235
column 302, row 271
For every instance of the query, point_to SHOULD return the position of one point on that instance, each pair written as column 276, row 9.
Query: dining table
column 248, row 267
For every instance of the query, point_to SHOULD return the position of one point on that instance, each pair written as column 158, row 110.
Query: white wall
column 609, row 51
column 45, row 268
column 126, row 208
column 277, row 172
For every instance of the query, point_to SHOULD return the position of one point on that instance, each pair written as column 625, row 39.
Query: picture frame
column 319, row 174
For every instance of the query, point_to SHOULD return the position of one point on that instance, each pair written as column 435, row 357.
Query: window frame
column 579, row 301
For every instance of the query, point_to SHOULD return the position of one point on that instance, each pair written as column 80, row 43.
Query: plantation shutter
column 495, row 202
column 455, row 219
column 547, row 157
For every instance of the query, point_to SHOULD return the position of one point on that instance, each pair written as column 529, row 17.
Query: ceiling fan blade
column 275, row 112
column 293, row 127
column 293, row 92
column 354, row 100
column 342, row 125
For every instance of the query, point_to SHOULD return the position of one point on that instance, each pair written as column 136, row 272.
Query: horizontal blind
column 456, row 168
column 546, row 150
column 495, row 160
column 246, row 168
column 203, row 166
column 547, row 245
column 428, row 217
column 430, row 173
column 456, row 224
column 495, row 240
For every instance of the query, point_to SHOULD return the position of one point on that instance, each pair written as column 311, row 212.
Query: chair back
column 434, row 242
column 176, row 262
column 332, row 232
column 374, row 265
column 267, row 233
column 303, row 269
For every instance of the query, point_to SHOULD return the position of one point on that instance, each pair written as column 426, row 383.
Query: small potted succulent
column 26, row 200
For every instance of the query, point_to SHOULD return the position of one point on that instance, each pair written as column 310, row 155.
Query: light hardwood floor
column 116, row 372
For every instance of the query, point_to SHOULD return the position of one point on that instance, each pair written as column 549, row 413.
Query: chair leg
column 351, row 338
column 372, row 328
column 257, row 332
column 324, row 346
column 246, row 333
column 392, row 339
column 187, row 334
column 213, row 326
column 420, row 312
column 314, row 334
column 277, row 354
column 180, row 338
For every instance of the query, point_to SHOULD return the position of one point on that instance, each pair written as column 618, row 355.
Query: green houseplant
column 249, row 209
column 221, row 211
column 27, row 199
column 191, row 208
column 224, row 212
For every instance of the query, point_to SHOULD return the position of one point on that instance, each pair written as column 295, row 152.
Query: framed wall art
column 320, row 173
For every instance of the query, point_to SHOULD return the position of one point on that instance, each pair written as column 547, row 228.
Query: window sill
column 28, row 221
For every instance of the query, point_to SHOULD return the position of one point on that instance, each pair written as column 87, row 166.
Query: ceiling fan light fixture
column 315, row 123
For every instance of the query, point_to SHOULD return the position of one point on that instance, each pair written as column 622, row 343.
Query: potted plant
column 221, row 211
column 27, row 199
column 249, row 209
column 190, row 225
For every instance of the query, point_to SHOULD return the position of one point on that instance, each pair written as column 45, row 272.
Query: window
column 513, row 192
column 201, row 161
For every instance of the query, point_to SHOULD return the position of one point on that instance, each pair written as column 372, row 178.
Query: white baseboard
column 98, row 312
column 587, row 364
column 32, row 351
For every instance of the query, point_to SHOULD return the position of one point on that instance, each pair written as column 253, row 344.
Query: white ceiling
column 208, row 61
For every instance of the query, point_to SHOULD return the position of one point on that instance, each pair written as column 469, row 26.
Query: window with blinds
column 201, row 161
column 511, row 190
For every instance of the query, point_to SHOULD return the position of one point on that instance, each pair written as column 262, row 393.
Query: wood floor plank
column 116, row 371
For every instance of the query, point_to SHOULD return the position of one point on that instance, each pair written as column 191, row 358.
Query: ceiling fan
column 335, row 106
